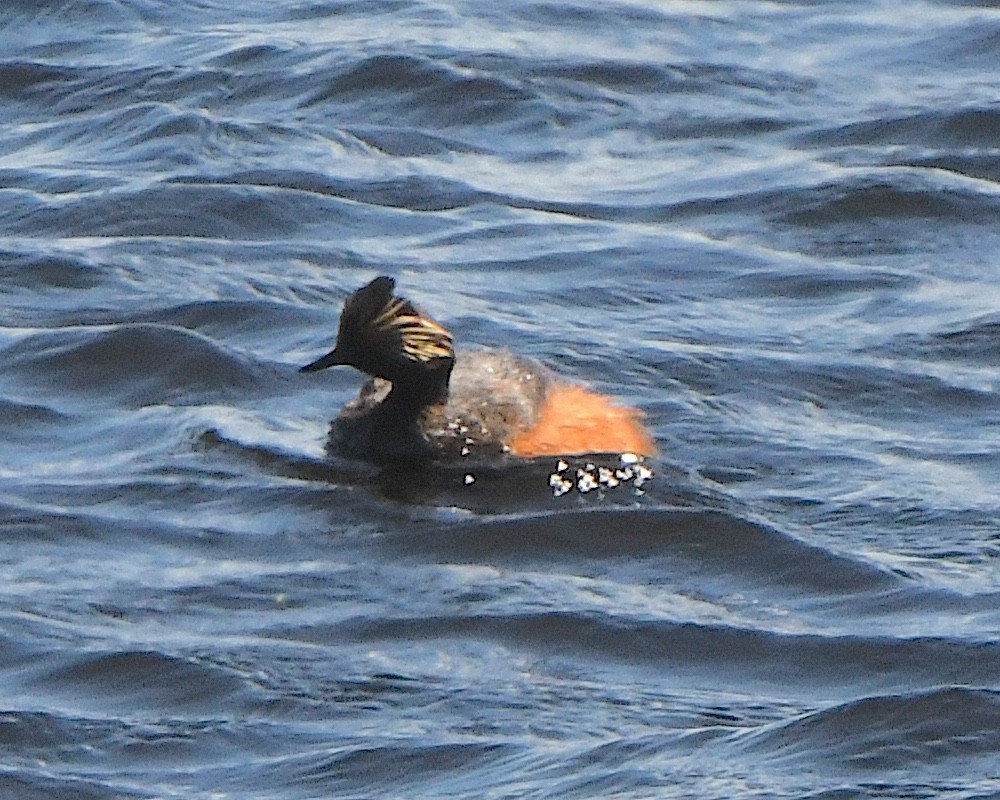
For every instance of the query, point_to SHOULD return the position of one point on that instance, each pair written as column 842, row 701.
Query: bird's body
column 421, row 404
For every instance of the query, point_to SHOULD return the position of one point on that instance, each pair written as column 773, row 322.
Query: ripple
column 977, row 342
column 16, row 418
column 140, row 679
column 39, row 272
column 681, row 651
column 23, row 79
column 403, row 767
column 415, row 192
column 709, row 540
column 969, row 127
column 431, row 91
column 891, row 732
column 140, row 364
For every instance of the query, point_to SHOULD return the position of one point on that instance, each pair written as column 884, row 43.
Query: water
column 771, row 226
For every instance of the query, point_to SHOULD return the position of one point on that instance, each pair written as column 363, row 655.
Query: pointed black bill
column 331, row 359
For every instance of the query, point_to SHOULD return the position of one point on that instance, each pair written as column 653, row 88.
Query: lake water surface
column 772, row 226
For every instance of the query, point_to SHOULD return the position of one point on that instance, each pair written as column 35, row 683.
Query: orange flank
column 576, row 421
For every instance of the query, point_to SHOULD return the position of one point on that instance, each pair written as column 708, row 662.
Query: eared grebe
column 422, row 404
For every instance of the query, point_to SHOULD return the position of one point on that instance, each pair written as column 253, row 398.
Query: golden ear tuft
column 381, row 330
column 420, row 337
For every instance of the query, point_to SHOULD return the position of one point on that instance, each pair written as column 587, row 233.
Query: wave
column 975, row 342
column 137, row 679
column 958, row 128
column 37, row 272
column 16, row 418
column 890, row 732
column 443, row 767
column 680, row 652
column 706, row 541
column 886, row 199
column 414, row 192
column 140, row 364
column 864, row 387
column 198, row 210
column 427, row 91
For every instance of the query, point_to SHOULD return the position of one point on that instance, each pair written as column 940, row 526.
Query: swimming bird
column 422, row 404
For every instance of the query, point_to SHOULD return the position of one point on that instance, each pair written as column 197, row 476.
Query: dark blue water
column 774, row 227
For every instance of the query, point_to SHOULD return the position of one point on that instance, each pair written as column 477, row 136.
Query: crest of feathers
column 388, row 328
column 420, row 337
